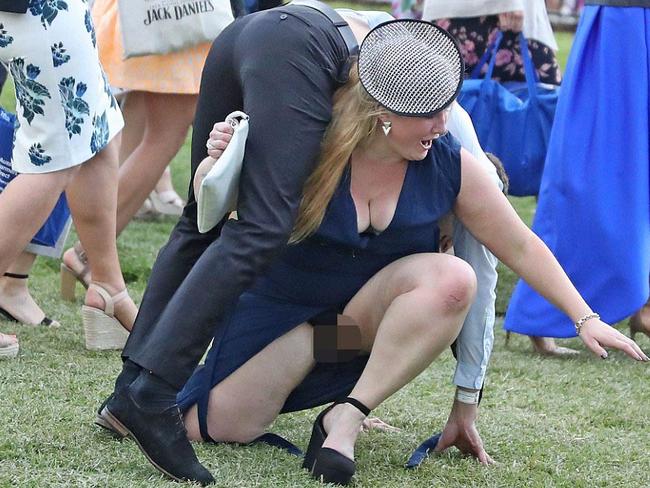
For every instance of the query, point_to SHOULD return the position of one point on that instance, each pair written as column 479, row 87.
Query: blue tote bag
column 57, row 222
column 513, row 120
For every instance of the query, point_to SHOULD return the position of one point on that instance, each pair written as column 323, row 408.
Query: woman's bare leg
column 244, row 404
column 132, row 106
column 24, row 205
column 133, row 111
column 408, row 313
column 548, row 347
column 14, row 292
column 92, row 197
column 165, row 182
column 640, row 321
column 168, row 118
column 156, row 127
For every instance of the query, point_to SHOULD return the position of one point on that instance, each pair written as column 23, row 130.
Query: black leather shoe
column 130, row 372
column 160, row 435
column 103, row 422
column 323, row 463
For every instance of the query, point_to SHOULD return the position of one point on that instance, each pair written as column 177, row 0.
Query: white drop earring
column 386, row 127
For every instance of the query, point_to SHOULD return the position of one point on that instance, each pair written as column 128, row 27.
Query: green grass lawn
column 579, row 422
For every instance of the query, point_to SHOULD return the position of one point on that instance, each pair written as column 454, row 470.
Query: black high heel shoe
column 325, row 464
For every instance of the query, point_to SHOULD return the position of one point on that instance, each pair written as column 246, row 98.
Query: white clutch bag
column 218, row 192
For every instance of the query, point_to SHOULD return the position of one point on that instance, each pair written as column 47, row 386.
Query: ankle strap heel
column 16, row 276
column 355, row 403
column 102, row 329
column 325, row 464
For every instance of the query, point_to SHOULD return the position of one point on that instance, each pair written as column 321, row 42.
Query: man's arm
column 474, row 343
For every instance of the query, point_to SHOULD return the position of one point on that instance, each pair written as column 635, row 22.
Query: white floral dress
column 66, row 112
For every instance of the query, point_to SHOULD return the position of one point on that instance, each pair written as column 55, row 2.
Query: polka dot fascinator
column 411, row 67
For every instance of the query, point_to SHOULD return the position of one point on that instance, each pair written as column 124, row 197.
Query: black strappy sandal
column 325, row 464
column 46, row 322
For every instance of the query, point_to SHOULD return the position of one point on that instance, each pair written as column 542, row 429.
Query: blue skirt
column 594, row 203
column 306, row 282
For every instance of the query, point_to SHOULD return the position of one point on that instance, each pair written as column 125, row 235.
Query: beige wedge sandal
column 102, row 330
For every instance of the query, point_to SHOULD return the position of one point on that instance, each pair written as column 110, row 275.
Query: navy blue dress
column 323, row 273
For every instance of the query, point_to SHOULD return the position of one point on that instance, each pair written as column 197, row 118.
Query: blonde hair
column 354, row 120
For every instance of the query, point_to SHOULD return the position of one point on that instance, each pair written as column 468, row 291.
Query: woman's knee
column 445, row 284
column 459, row 283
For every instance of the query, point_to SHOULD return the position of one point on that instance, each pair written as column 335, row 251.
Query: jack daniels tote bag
column 49, row 240
column 513, row 120
column 163, row 26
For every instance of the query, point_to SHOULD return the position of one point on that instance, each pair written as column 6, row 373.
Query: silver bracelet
column 470, row 397
column 582, row 320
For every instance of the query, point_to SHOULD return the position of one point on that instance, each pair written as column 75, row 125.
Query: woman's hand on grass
column 597, row 335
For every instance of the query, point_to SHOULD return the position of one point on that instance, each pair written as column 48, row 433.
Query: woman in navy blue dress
column 362, row 264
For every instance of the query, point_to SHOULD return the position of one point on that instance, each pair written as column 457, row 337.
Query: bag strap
column 491, row 54
column 529, row 68
column 493, row 59
column 280, row 442
column 422, row 452
column 342, row 26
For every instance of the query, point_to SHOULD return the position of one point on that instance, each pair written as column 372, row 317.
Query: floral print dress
column 475, row 34
column 66, row 112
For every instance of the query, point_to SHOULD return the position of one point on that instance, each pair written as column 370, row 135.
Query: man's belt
column 337, row 20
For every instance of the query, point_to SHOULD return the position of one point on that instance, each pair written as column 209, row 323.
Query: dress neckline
column 369, row 231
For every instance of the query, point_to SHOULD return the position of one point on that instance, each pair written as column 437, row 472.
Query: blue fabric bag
column 513, row 120
column 57, row 222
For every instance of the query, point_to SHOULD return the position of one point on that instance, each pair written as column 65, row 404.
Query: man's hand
column 460, row 431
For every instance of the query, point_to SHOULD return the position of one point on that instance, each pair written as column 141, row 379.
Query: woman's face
column 411, row 137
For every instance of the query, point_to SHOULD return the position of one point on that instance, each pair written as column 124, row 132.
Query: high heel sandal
column 325, row 464
column 101, row 328
column 167, row 203
column 46, row 322
column 69, row 276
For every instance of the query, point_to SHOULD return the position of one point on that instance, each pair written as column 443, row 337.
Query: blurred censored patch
column 337, row 338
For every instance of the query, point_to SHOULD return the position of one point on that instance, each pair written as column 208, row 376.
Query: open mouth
column 426, row 144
